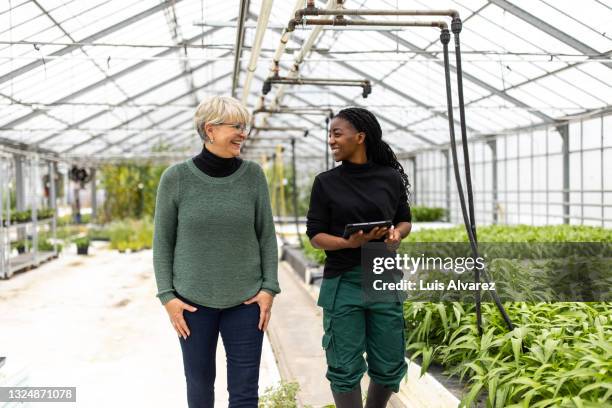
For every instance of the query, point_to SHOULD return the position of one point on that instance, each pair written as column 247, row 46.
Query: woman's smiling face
column 227, row 138
column 344, row 140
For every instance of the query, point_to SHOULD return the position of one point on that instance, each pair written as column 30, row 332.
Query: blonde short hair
column 219, row 109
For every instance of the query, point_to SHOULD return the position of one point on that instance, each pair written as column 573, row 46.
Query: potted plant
column 82, row 245
column 20, row 246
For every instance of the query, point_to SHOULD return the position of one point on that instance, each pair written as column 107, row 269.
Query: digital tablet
column 350, row 229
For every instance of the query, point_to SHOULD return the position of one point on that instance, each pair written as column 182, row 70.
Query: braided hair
column 377, row 150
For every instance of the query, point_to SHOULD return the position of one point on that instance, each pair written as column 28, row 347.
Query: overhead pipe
column 340, row 21
column 244, row 9
column 456, row 25
column 262, row 24
column 299, row 58
column 363, row 83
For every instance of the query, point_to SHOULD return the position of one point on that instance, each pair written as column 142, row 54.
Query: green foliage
column 557, row 351
column 21, row 244
column 44, row 245
column 282, row 396
column 427, row 214
column 515, row 233
column 21, row 216
column 124, row 198
column 276, row 187
column 316, row 255
column 559, row 354
column 81, row 242
column 131, row 234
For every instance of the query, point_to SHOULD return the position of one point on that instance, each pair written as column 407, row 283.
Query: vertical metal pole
column 492, row 143
column 34, row 197
column 325, row 139
column 94, row 201
column 582, row 172
column 53, row 203
column 19, row 192
column 3, row 248
column 531, row 177
column 414, row 180
column 564, row 132
column 601, row 179
column 294, row 188
column 547, row 183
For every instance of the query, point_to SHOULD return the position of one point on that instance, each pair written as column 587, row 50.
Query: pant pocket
column 328, row 343
column 327, row 294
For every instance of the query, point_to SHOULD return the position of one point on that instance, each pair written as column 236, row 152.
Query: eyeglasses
column 239, row 127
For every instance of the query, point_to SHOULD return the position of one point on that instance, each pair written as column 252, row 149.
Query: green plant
column 130, row 191
column 312, row 253
column 131, row 234
column 45, row 213
column 559, row 354
column 281, row 396
column 82, row 242
column 20, row 245
column 18, row 217
column 427, row 214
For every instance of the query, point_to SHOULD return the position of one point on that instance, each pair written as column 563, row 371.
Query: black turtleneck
column 354, row 193
column 215, row 166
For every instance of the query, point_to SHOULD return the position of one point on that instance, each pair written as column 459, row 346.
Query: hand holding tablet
column 350, row 229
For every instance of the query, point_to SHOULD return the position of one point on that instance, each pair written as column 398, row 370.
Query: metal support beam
column 176, row 98
column 94, row 198
column 548, row 28
column 414, row 180
column 240, row 30
column 564, row 133
column 52, row 170
column 100, row 34
column 102, row 82
column 492, row 143
column 19, row 183
column 477, row 81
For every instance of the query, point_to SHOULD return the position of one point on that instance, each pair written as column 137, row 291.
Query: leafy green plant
column 45, row 213
column 427, row 214
column 559, row 354
column 18, row 217
column 281, row 396
column 20, row 245
column 45, row 245
column 130, row 190
column 312, row 253
column 131, row 234
column 82, row 242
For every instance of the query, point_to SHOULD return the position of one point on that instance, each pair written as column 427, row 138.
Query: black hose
column 445, row 39
column 456, row 28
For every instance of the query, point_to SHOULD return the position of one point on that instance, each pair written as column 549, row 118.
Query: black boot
column 351, row 399
column 378, row 395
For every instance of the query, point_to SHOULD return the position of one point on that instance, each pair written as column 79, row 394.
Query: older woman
column 215, row 255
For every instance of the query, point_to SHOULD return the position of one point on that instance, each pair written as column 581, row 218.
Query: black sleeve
column 402, row 214
column 317, row 219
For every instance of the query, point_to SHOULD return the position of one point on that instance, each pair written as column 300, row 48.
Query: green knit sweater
column 214, row 241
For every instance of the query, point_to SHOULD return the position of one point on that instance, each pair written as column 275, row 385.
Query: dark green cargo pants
column 354, row 327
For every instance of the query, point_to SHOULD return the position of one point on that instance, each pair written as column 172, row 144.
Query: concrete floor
column 94, row 322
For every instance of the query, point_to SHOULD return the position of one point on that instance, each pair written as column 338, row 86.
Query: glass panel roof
column 111, row 76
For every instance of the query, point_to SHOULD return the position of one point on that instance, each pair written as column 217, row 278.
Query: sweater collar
column 214, row 165
column 356, row 168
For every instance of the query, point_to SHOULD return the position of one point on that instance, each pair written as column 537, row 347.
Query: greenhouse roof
column 110, row 78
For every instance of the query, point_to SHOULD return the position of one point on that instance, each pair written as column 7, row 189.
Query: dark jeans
column 242, row 341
